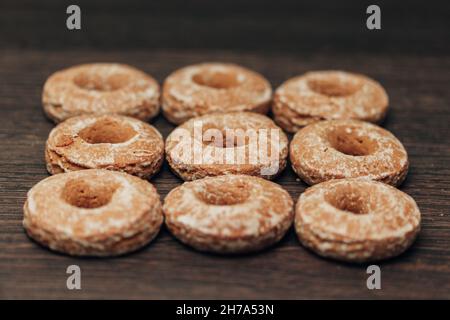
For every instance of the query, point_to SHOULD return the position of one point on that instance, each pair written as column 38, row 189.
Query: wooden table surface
column 417, row 82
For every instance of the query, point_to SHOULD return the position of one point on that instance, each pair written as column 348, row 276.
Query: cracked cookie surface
column 337, row 149
column 93, row 213
column 100, row 88
column 227, row 143
column 110, row 142
column 229, row 214
column 356, row 220
column 205, row 88
column 326, row 95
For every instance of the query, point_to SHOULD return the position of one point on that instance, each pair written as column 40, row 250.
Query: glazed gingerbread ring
column 356, row 220
column 93, row 213
column 213, row 88
column 337, row 149
column 100, row 88
column 227, row 143
column 326, row 95
column 110, row 142
column 228, row 214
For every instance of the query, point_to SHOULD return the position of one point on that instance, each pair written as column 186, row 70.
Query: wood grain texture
column 417, row 83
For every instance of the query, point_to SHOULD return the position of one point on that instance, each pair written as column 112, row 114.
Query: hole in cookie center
column 348, row 199
column 225, row 194
column 99, row 82
column 216, row 79
column 347, row 141
column 334, row 86
column 107, row 131
column 224, row 138
column 85, row 194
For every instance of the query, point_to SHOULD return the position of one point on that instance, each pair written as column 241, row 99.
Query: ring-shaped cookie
column 356, row 220
column 93, row 213
column 213, row 88
column 100, row 88
column 227, row 143
column 110, row 142
column 337, row 149
column 326, row 95
column 228, row 214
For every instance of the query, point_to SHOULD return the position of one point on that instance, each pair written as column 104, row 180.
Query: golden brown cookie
column 93, row 213
column 337, row 149
column 213, row 88
column 227, row 143
column 326, row 95
column 228, row 214
column 100, row 88
column 356, row 220
column 110, row 142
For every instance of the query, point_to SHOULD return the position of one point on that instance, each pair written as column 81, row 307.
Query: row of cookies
column 195, row 90
column 97, row 212
column 324, row 150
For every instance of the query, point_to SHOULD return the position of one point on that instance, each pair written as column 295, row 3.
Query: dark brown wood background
column 409, row 56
